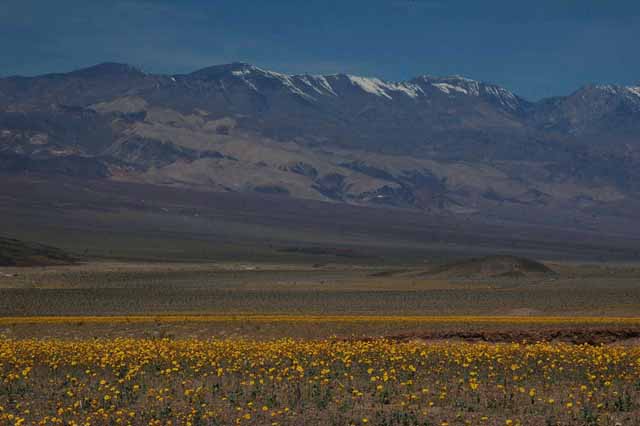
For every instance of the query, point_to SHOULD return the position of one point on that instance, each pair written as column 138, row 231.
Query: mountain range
column 445, row 145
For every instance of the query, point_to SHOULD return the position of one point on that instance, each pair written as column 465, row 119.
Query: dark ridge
column 107, row 69
column 491, row 267
column 19, row 253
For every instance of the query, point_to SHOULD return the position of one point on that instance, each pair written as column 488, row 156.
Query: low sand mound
column 491, row 267
column 20, row 253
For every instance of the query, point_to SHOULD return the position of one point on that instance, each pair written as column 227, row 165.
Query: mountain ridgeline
column 447, row 144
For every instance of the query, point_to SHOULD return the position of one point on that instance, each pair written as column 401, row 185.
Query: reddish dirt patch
column 592, row 336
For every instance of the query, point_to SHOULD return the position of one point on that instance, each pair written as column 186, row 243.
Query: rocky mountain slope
column 446, row 144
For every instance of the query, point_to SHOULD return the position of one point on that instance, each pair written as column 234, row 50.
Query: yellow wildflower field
column 138, row 381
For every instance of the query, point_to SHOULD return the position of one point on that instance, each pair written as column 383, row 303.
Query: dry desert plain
column 113, row 342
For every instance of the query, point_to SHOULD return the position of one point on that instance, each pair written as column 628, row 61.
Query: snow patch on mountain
column 451, row 85
column 240, row 73
column 634, row 90
column 499, row 92
column 410, row 89
column 377, row 87
column 448, row 88
column 250, row 73
column 505, row 97
column 371, row 85
column 325, row 83
column 608, row 88
column 630, row 92
column 318, row 83
column 286, row 81
column 471, row 86
column 456, row 86
column 249, row 83
column 243, row 73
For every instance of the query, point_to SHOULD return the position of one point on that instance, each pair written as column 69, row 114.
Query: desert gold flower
column 236, row 381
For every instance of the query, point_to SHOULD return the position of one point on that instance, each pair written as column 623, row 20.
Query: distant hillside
column 19, row 253
column 449, row 145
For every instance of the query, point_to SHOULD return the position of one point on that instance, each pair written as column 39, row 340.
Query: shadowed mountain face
column 440, row 144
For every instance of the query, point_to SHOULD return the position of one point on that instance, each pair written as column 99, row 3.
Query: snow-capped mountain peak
column 630, row 94
column 316, row 87
column 461, row 86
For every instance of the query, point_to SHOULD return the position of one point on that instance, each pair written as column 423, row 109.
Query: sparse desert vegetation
column 237, row 288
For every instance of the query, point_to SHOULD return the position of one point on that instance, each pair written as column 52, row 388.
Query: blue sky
column 535, row 48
